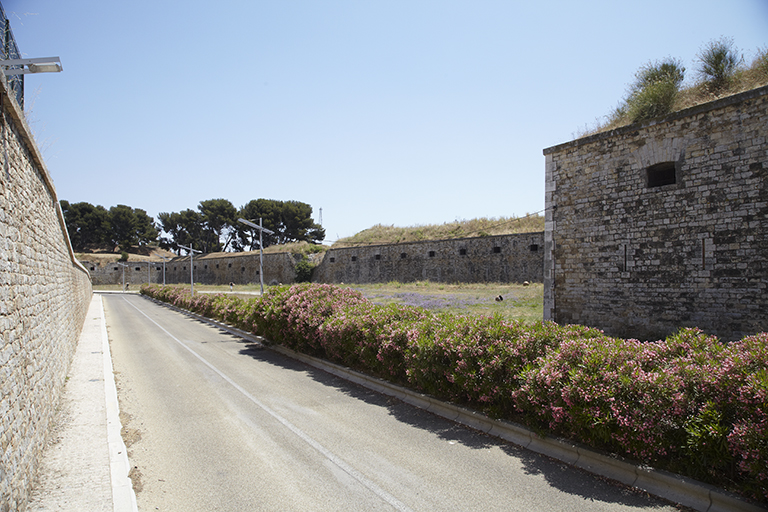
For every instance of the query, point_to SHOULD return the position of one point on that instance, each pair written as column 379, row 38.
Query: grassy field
column 520, row 302
column 525, row 303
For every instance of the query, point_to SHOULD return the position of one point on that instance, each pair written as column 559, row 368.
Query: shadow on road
column 559, row 475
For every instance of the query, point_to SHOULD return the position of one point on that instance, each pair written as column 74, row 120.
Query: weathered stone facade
column 213, row 268
column 663, row 224
column 44, row 297
column 502, row 259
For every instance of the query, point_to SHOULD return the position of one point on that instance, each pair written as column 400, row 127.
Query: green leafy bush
column 689, row 403
column 304, row 269
column 718, row 63
column 655, row 89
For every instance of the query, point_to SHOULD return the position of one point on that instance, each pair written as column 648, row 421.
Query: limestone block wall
column 214, row 268
column 44, row 296
column 504, row 258
column 663, row 224
column 136, row 272
column 238, row 268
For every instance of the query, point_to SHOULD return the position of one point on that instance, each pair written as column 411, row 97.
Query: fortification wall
column 44, row 297
column 663, row 224
column 214, row 268
column 504, row 259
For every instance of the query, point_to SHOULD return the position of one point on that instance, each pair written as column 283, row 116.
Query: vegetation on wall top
column 383, row 235
column 659, row 87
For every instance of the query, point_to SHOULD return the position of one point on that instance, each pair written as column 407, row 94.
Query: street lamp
column 164, row 260
column 123, row 265
column 191, row 266
column 39, row 65
column 261, row 248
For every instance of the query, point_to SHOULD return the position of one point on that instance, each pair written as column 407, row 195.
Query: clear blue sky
column 400, row 112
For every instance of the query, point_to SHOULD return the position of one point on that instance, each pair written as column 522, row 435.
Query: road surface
column 213, row 422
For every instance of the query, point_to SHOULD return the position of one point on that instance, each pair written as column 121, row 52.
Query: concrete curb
column 123, row 497
column 678, row 489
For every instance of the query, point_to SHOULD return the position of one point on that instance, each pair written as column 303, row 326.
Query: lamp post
column 123, row 265
column 164, row 260
column 191, row 266
column 261, row 248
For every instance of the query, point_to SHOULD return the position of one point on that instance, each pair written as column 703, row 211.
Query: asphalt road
column 214, row 423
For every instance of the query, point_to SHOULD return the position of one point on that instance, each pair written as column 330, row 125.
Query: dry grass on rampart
column 382, row 235
column 745, row 79
column 111, row 257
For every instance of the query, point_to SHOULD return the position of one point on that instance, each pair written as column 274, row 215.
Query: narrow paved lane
column 214, row 423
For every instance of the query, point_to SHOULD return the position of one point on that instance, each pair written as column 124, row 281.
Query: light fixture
column 39, row 65
column 262, row 230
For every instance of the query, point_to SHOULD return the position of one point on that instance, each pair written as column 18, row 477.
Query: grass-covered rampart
column 689, row 404
column 381, row 234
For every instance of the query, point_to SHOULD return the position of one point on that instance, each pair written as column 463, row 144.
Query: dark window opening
column 206, row 267
column 229, row 265
column 354, row 258
column 159, row 268
column 217, row 265
column 377, row 257
column 185, row 268
column 661, row 174
column 242, row 269
column 402, row 255
column 497, row 250
column 333, row 260
column 258, row 272
column 462, row 252
column 431, row 254
column 138, row 268
column 93, row 268
column 174, row 268
column 116, row 268
column 534, row 247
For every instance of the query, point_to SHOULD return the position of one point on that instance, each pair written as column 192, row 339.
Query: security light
column 261, row 247
column 39, row 65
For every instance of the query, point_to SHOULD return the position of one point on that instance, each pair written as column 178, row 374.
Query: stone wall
column 214, row 268
column 663, row 224
column 44, row 296
column 503, row 259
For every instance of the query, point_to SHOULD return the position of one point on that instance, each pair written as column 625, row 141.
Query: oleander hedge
column 690, row 404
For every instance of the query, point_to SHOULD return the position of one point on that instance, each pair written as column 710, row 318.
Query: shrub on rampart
column 690, row 403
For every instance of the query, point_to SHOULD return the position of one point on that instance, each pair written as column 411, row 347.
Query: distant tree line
column 94, row 227
column 212, row 227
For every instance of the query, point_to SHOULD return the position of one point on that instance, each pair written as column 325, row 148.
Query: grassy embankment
column 381, row 234
column 701, row 91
